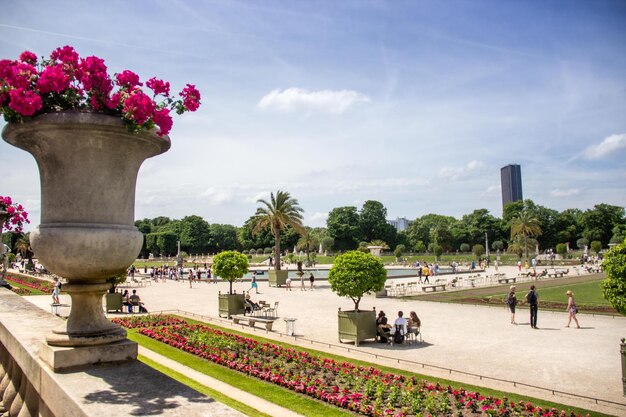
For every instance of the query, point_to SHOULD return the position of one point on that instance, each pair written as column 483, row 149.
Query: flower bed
column 365, row 390
column 148, row 321
column 34, row 283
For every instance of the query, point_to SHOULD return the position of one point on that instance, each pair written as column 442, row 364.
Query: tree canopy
column 356, row 273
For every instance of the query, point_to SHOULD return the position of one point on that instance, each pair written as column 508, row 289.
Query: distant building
column 511, row 177
column 400, row 223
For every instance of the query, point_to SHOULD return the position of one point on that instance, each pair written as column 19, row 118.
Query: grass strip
column 455, row 384
column 283, row 397
column 203, row 389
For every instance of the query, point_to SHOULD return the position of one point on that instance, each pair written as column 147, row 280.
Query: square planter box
column 231, row 304
column 356, row 326
column 113, row 302
column 277, row 278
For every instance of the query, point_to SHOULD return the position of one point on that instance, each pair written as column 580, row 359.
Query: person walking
column 533, row 299
column 56, row 291
column 426, row 273
column 253, row 283
column 511, row 302
column 311, row 280
column 419, row 273
column 571, row 309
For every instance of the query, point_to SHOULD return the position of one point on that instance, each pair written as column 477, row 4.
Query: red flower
column 139, row 107
column 163, row 119
column 158, row 86
column 25, row 102
column 53, row 79
column 128, row 79
column 191, row 97
column 28, row 57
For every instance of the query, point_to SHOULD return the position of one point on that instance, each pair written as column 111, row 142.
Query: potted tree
column 230, row 266
column 281, row 211
column 352, row 275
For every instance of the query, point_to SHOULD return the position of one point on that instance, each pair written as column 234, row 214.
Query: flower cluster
column 364, row 390
column 34, row 283
column 16, row 215
column 66, row 81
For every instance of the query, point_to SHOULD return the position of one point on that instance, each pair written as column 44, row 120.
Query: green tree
column 497, row 245
column 464, row 247
column 343, row 226
column 478, row 250
column 419, row 247
column 399, row 251
column 581, row 243
column 167, row 242
column 442, row 236
column 596, row 246
column 327, row 243
column 222, row 237
column 420, row 229
column 525, row 225
column 281, row 211
column 308, row 243
column 374, row 225
column 230, row 266
column 194, row 234
column 598, row 223
column 614, row 286
column 355, row 273
column 561, row 249
column 437, row 250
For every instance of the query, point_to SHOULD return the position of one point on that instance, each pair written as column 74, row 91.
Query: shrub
column 561, row 249
column 614, row 286
column 230, row 266
column 465, row 247
column 596, row 246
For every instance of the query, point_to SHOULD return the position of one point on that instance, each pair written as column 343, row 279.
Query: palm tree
column 22, row 246
column 309, row 243
column 281, row 211
column 525, row 224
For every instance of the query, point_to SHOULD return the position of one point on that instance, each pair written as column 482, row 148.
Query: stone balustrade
column 30, row 388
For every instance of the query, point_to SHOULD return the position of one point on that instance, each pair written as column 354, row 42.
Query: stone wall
column 28, row 387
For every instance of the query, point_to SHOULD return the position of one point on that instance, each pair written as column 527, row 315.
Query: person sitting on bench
column 251, row 305
column 136, row 301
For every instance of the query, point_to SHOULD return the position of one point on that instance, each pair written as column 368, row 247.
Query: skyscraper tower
column 511, row 177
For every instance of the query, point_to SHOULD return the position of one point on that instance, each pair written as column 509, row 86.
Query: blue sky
column 416, row 104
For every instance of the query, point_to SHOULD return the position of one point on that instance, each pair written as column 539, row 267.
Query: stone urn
column 88, row 164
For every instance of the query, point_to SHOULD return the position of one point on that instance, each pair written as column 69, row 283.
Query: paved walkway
column 472, row 339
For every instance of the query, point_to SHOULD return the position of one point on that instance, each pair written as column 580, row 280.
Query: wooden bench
column 252, row 320
column 556, row 274
column 434, row 287
column 506, row 280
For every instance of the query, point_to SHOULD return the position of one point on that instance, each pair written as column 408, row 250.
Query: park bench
column 556, row 274
column 506, row 280
column 252, row 320
column 434, row 287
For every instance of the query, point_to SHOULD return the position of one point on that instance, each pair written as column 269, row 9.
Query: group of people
column 401, row 327
column 532, row 298
column 130, row 300
column 425, row 271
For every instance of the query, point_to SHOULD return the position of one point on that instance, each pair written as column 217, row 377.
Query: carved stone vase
column 88, row 164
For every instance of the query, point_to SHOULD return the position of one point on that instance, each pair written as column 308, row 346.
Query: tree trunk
column 526, row 246
column 277, row 251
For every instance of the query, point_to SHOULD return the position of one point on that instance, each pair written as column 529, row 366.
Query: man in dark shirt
column 532, row 300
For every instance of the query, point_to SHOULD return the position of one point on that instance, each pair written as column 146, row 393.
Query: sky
column 416, row 104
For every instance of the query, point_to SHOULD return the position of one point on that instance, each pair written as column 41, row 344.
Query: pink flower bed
column 37, row 284
column 364, row 390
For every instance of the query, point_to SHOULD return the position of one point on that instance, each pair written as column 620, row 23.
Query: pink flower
column 128, row 79
column 114, row 101
column 21, row 75
column 158, row 86
column 93, row 75
column 25, row 102
column 28, row 57
column 163, row 119
column 53, row 79
column 191, row 97
column 139, row 107
column 67, row 55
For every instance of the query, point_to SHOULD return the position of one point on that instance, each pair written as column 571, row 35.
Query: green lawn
column 288, row 399
column 587, row 293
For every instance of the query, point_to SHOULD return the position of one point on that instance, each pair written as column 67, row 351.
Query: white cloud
column 492, row 189
column 317, row 218
column 216, row 197
column 609, row 145
column 298, row 99
column 454, row 173
column 265, row 195
column 557, row 192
